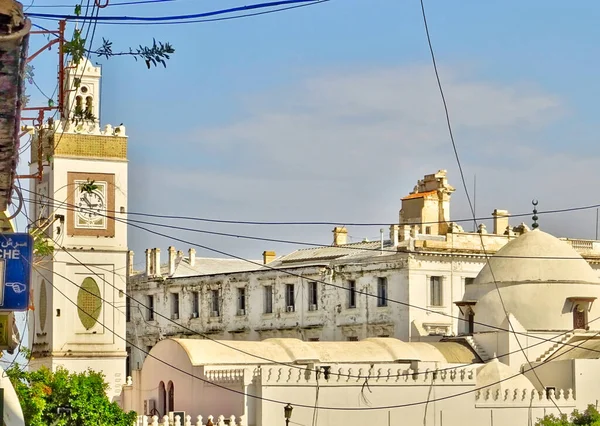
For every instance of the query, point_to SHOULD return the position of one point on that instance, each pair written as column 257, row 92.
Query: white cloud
column 346, row 146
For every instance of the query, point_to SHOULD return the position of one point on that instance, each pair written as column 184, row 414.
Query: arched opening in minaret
column 162, row 398
column 580, row 317
column 79, row 103
column 89, row 105
column 171, row 388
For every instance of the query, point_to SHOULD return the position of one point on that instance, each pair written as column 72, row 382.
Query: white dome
column 537, row 257
column 538, row 277
column 498, row 376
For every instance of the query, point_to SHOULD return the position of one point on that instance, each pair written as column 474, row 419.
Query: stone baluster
column 221, row 420
column 144, row 421
column 154, row 420
column 188, row 420
column 561, row 394
column 570, row 395
column 199, row 420
column 165, row 421
column 178, row 420
column 232, row 420
column 243, row 421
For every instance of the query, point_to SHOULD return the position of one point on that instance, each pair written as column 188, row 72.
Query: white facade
column 547, row 358
column 423, row 275
column 79, row 317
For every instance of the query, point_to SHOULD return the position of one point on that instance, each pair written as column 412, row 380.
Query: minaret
column 79, row 293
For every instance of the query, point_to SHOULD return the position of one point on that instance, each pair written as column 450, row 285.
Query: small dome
column 498, row 376
column 537, row 257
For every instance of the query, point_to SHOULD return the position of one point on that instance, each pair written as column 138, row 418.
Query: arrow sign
column 16, row 258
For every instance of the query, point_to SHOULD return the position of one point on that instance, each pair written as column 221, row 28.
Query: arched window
column 79, row 103
column 162, row 399
column 171, row 388
column 89, row 104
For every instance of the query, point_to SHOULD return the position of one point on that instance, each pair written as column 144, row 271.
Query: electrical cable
column 171, row 18
column 125, row 3
column 311, row 407
column 356, row 246
column 464, row 183
column 301, row 276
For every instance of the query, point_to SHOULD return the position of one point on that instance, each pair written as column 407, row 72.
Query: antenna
column 596, row 224
column 475, row 202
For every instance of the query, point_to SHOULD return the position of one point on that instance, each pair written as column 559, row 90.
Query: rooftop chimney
column 172, row 254
column 500, row 221
column 394, row 231
column 148, row 262
column 268, row 256
column 340, row 235
column 192, row 255
column 129, row 263
column 156, row 262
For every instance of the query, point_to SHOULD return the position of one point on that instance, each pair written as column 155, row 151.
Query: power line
column 340, row 223
column 464, row 183
column 125, row 3
column 312, row 407
column 297, row 275
column 353, row 246
column 173, row 17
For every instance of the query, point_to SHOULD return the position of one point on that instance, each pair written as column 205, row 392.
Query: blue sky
column 330, row 113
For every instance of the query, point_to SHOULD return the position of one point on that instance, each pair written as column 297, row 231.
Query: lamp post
column 287, row 413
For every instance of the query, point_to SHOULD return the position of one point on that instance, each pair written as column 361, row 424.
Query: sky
column 331, row 112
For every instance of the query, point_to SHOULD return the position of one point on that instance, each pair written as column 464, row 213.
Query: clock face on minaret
column 91, row 198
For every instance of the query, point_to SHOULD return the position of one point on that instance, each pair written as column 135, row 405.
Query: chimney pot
column 171, row 260
column 129, row 263
column 268, row 256
column 340, row 235
column 500, row 221
column 192, row 254
column 157, row 271
column 148, row 262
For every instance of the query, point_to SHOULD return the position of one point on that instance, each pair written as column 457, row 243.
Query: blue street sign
column 16, row 258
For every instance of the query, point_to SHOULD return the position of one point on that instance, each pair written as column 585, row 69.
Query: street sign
column 16, row 258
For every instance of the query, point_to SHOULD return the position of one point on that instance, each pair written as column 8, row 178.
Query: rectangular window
column 268, row 299
column 215, row 305
column 435, row 291
column 174, row 305
column 195, row 304
column 290, row 303
column 469, row 281
column 313, row 296
column 382, row 291
column 241, row 301
column 127, row 308
column 150, row 306
column 352, row 294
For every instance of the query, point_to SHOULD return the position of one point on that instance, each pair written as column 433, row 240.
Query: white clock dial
column 91, row 207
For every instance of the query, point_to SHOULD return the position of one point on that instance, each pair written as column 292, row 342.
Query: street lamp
column 287, row 413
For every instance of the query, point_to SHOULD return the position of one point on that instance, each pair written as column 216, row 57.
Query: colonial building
column 79, row 317
column 534, row 310
column 403, row 286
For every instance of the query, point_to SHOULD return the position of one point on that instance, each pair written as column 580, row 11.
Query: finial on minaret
column 535, row 225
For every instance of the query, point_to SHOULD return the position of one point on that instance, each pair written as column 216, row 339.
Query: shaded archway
column 162, row 399
column 171, row 396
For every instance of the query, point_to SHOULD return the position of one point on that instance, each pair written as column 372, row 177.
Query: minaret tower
column 81, row 200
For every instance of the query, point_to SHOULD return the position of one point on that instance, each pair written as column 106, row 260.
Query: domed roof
column 498, row 376
column 537, row 257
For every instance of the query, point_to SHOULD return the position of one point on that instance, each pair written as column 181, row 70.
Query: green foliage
column 159, row 53
column 42, row 246
column 42, row 392
column 589, row 417
column 75, row 47
column 89, row 187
